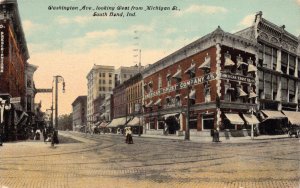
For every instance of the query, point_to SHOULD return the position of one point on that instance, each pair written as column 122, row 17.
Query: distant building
column 124, row 73
column 30, row 87
column 278, row 72
column 101, row 81
column 79, row 109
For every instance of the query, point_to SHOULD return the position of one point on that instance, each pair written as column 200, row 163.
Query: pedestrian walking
column 130, row 140
column 37, row 134
column 126, row 135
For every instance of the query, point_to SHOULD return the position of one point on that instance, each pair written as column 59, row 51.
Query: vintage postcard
column 125, row 94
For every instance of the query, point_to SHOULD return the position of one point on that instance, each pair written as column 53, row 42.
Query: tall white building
column 101, row 81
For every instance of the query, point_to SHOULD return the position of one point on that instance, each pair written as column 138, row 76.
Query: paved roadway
column 106, row 161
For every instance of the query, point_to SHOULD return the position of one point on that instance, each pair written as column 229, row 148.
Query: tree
column 65, row 122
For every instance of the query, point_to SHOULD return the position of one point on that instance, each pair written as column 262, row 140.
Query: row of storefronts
column 18, row 113
column 231, row 82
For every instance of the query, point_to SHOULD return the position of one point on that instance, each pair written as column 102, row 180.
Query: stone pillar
column 278, row 68
column 218, row 78
column 278, row 63
column 181, row 121
column 297, row 83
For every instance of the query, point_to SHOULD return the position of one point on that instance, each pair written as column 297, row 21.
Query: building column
column 218, row 78
column 278, row 68
column 278, row 63
column 181, row 121
column 297, row 83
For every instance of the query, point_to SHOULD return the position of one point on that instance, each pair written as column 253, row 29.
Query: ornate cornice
column 210, row 40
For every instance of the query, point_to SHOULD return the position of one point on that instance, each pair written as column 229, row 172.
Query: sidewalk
column 208, row 139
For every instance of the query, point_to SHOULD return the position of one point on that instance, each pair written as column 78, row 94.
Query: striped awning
column 273, row 114
column 234, row 119
column 252, row 68
column 177, row 74
column 158, row 102
column 206, row 64
column 228, row 62
column 242, row 93
column 117, row 122
column 191, row 68
column 134, row 122
column 252, row 94
column 251, row 119
column 293, row 117
column 149, row 104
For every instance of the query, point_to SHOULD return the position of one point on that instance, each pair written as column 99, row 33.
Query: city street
column 106, row 161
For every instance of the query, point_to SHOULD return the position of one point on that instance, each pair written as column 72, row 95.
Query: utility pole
column 57, row 79
column 187, row 127
column 56, row 103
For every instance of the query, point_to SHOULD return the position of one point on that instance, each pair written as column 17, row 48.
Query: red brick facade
column 12, row 78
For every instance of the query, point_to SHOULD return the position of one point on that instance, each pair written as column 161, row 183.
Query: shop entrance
column 172, row 125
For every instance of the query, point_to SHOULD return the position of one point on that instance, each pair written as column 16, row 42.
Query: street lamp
column 57, row 79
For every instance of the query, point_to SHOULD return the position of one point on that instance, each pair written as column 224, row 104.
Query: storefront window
column 193, row 124
column 208, row 121
column 207, row 97
column 228, row 91
column 152, row 123
column 161, row 125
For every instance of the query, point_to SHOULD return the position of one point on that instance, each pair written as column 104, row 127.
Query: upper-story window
column 299, row 70
column 228, row 92
column 274, row 86
column 284, row 89
column 267, row 57
column 124, row 75
column 241, row 66
column 29, row 83
column 284, row 62
column 292, row 63
column 103, row 74
column 159, row 81
column 110, row 75
column 169, row 80
column 150, row 84
column 207, row 96
column 268, row 86
column 177, row 100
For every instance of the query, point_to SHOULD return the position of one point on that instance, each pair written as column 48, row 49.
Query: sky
column 70, row 42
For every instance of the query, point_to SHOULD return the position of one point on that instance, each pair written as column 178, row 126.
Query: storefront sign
column 182, row 85
column 15, row 100
column 238, row 78
column 43, row 90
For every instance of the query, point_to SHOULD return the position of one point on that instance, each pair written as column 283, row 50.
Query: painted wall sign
column 3, row 45
column 182, row 85
column 238, row 78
